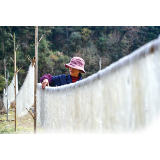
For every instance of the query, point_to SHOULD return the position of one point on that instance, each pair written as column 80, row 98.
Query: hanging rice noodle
column 25, row 96
column 123, row 97
column 11, row 89
column 10, row 92
column 5, row 100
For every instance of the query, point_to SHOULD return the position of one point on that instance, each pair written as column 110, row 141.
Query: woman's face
column 74, row 72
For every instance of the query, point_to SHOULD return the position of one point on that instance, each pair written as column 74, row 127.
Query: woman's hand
column 45, row 83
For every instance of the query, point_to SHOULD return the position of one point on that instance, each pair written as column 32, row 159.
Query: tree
column 75, row 40
column 85, row 34
column 61, row 43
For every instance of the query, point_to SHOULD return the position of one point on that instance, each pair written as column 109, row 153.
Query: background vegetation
column 24, row 125
column 61, row 43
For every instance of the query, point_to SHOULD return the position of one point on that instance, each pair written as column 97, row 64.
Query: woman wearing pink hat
column 76, row 67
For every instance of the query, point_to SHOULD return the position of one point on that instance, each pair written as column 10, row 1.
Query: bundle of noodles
column 25, row 96
column 122, row 97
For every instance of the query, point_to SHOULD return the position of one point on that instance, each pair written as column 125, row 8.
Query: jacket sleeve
column 58, row 80
column 54, row 80
column 46, row 76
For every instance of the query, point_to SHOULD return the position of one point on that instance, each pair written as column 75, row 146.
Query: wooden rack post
column 7, row 93
column 15, row 82
column 36, row 77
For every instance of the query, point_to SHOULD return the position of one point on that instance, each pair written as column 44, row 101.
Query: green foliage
column 8, row 130
column 2, row 83
column 75, row 40
column 85, row 33
column 61, row 43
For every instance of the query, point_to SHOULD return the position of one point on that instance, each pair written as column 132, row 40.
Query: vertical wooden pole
column 99, row 63
column 7, row 94
column 15, row 81
column 5, row 73
column 105, row 39
column 36, row 78
column 6, row 85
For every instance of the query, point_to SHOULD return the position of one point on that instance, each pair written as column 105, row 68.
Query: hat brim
column 75, row 67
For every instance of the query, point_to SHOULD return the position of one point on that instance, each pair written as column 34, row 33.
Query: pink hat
column 76, row 63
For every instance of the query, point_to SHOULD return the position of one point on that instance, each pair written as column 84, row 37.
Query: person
column 76, row 67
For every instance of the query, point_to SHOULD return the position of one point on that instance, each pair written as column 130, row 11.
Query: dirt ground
column 24, row 125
